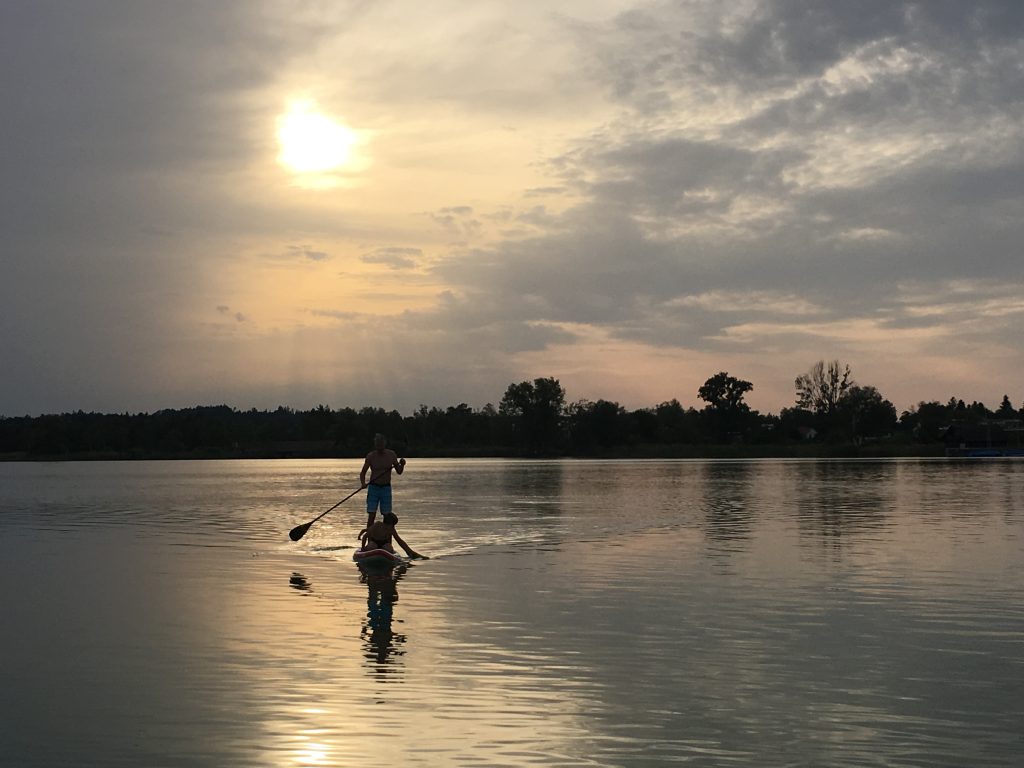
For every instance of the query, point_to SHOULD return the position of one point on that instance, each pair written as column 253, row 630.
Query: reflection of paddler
column 381, row 597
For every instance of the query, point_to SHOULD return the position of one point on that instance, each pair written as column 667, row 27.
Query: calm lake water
column 573, row 613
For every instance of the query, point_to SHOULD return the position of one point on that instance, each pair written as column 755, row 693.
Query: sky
column 392, row 204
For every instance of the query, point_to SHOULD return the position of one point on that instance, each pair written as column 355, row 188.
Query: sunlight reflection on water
column 765, row 613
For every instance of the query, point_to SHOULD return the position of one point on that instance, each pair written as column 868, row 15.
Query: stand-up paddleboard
column 378, row 557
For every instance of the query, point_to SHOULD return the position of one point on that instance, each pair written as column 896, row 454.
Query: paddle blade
column 298, row 531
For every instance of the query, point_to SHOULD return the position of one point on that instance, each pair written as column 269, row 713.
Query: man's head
column 379, row 441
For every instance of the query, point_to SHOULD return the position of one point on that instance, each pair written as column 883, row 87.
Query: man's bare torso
column 380, row 463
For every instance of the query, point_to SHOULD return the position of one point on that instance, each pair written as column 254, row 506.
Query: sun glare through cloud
column 315, row 147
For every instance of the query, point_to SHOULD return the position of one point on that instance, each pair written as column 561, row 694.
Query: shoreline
column 633, row 452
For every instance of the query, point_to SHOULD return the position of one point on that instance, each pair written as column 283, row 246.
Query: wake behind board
column 377, row 558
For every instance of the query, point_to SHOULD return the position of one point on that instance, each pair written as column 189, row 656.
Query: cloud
column 306, row 252
column 458, row 221
column 762, row 183
column 225, row 311
column 117, row 137
column 797, row 193
column 336, row 314
column 394, row 257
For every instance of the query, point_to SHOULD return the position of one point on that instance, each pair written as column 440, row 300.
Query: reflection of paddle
column 299, row 531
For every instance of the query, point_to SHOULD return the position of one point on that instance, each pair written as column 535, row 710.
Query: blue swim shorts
column 378, row 495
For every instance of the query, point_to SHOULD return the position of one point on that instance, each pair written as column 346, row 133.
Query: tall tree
column 724, row 392
column 597, row 425
column 726, row 412
column 822, row 387
column 1006, row 409
column 536, row 409
column 675, row 423
column 868, row 413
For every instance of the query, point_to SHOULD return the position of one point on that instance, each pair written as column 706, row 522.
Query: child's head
column 390, row 518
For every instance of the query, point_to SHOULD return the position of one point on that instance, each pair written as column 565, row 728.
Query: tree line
column 831, row 413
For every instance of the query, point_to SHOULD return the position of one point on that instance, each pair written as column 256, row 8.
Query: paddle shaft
column 299, row 531
column 357, row 490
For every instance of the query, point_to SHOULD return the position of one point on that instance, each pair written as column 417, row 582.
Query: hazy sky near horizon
column 394, row 203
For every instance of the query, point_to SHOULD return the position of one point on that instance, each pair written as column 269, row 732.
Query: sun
column 312, row 143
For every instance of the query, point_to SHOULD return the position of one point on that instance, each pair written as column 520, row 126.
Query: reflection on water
column 300, row 582
column 728, row 514
column 382, row 642
column 535, row 488
column 573, row 613
column 382, row 645
column 836, row 500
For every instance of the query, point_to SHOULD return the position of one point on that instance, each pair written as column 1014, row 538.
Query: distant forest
column 832, row 416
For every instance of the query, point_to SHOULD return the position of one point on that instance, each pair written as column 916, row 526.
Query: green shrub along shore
column 833, row 417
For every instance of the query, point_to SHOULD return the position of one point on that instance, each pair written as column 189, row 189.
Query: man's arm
column 399, row 465
column 362, row 473
column 408, row 550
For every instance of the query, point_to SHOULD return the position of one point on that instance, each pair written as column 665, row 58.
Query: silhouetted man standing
column 379, row 463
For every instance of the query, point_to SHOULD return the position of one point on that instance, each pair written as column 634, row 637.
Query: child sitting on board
column 380, row 534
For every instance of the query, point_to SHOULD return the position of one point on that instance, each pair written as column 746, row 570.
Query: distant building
column 991, row 437
column 807, row 433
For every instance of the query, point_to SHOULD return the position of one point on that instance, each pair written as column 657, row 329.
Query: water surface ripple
column 573, row 613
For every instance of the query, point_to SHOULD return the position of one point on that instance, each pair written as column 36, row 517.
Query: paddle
column 299, row 531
